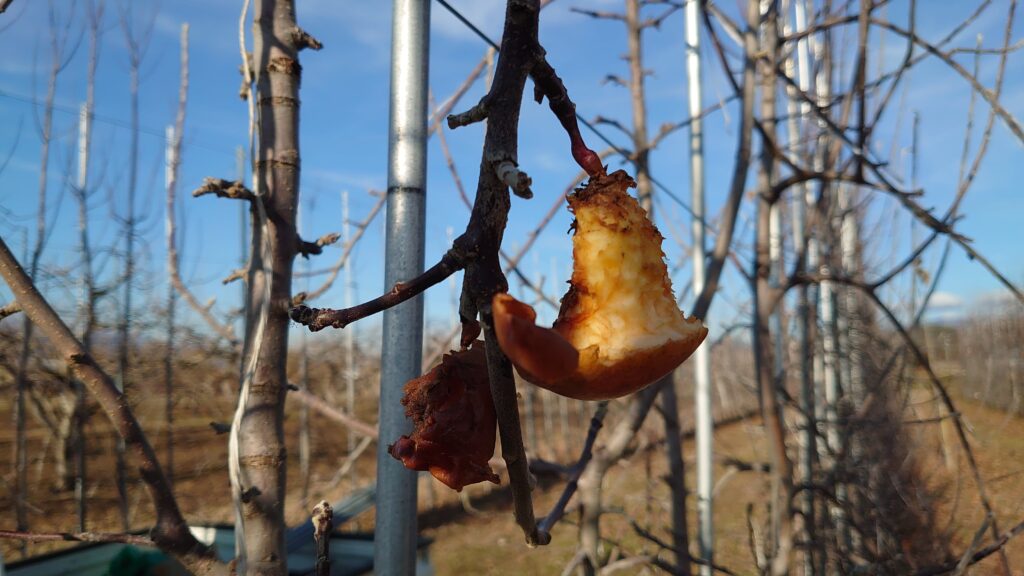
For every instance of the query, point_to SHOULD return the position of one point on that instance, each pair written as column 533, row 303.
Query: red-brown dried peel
column 453, row 419
column 619, row 328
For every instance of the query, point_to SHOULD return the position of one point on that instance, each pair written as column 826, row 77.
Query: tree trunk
column 260, row 483
column 176, row 135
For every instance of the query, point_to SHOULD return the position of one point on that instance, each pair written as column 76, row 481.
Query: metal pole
column 702, row 359
column 84, row 137
column 797, row 65
column 350, row 332
column 395, row 536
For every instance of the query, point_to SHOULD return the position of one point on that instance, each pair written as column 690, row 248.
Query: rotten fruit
column 619, row 328
column 453, row 420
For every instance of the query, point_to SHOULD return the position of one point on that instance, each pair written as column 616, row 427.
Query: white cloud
column 945, row 300
column 994, row 299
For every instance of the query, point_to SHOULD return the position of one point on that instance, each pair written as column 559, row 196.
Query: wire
column 110, row 120
column 672, row 195
column 458, row 15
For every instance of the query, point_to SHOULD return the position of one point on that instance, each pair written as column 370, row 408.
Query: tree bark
column 260, row 487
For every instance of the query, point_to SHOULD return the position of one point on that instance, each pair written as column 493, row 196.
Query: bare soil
column 486, row 540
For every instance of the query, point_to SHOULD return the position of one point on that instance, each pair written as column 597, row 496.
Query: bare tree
column 90, row 291
column 62, row 46
column 136, row 40
column 176, row 135
column 170, row 532
column 642, row 147
column 258, row 465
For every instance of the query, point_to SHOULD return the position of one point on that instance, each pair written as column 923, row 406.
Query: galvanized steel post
column 702, row 360
column 395, row 536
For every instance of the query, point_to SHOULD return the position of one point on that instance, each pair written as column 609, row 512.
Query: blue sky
column 344, row 139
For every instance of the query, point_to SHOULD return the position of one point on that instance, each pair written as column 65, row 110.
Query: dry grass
column 490, row 543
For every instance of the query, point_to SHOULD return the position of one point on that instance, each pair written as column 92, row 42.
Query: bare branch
column 978, row 556
column 9, row 309
column 443, row 111
column 991, row 98
column 236, row 274
column 548, row 84
column 596, row 422
column 614, row 79
column 171, row 532
column 319, row 318
column 614, row 124
column 599, row 14
column 347, row 252
column 304, row 40
column 477, row 113
column 133, row 539
column 224, row 189
column 346, row 420
column 514, row 178
column 307, row 249
column 323, row 525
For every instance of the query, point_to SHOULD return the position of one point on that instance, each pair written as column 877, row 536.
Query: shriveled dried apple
column 453, row 421
column 619, row 328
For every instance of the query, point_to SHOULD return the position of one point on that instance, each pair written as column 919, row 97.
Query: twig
column 548, row 84
column 514, row 178
column 304, row 40
column 600, row 14
column 133, row 539
column 210, row 186
column 477, row 113
column 450, row 103
column 346, row 420
column 236, row 274
column 992, row 99
column 640, row 404
column 317, row 319
column 978, row 556
column 307, row 249
column 940, row 388
column 323, row 525
column 966, row 557
column 648, row 535
column 224, row 189
column 347, row 252
column 596, row 423
column 350, row 461
column 9, row 309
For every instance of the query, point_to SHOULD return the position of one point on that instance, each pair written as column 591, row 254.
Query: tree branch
column 323, row 525
column 307, row 249
column 171, row 532
column 325, row 409
column 133, row 539
column 9, row 309
column 556, row 513
column 347, row 252
column 317, row 319
column 224, row 189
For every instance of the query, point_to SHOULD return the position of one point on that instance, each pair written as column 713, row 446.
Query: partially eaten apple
column 619, row 328
column 453, row 419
